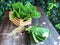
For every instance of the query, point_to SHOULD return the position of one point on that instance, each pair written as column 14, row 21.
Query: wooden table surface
column 24, row 39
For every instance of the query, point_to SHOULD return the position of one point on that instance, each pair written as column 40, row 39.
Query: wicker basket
column 20, row 22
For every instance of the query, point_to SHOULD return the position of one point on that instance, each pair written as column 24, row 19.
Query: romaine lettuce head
column 25, row 12
column 38, row 33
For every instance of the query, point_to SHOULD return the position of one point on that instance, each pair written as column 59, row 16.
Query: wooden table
column 24, row 38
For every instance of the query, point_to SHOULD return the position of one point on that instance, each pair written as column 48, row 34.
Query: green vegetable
column 36, row 14
column 25, row 12
column 38, row 33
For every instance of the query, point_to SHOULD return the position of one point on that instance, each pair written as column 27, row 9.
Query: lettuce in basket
column 25, row 12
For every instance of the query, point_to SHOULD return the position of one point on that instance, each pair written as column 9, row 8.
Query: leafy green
column 38, row 33
column 26, row 11
column 36, row 14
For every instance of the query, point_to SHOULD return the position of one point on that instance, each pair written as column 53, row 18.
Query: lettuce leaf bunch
column 38, row 33
column 25, row 12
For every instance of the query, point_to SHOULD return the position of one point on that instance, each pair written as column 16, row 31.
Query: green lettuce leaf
column 39, row 33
